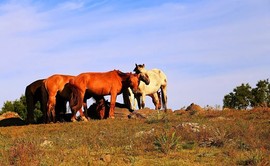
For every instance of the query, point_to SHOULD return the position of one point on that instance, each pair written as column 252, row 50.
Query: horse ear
column 136, row 65
column 143, row 65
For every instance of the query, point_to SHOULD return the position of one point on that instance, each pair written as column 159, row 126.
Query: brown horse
column 101, row 84
column 56, row 84
column 36, row 92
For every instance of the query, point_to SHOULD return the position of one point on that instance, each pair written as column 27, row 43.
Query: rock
column 142, row 113
column 193, row 127
column 194, row 108
column 180, row 112
column 46, row 143
column 121, row 113
column 144, row 133
column 9, row 114
column 11, row 119
column 169, row 111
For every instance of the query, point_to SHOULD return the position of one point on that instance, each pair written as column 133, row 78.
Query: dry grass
column 228, row 137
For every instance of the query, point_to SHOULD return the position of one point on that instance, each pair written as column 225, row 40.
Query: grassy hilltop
column 228, row 137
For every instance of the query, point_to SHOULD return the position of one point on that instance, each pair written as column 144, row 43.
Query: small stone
column 106, row 158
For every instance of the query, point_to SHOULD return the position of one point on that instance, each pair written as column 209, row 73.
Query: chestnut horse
column 101, row 84
column 57, row 84
column 36, row 92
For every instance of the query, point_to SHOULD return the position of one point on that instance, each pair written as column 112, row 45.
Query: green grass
column 221, row 138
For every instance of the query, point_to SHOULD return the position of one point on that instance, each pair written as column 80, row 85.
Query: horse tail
column 76, row 98
column 30, row 104
column 43, row 101
column 126, row 99
column 164, row 96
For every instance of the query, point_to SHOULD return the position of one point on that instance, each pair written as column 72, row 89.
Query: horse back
column 161, row 75
column 57, row 82
column 32, row 88
column 100, row 83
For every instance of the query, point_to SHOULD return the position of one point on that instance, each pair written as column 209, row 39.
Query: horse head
column 139, row 68
column 134, row 81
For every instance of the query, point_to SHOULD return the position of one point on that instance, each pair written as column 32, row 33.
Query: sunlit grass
column 229, row 137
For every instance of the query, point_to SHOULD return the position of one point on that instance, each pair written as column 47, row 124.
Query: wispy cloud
column 71, row 5
column 199, row 44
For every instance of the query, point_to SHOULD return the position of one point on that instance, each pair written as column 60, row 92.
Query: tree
column 229, row 100
column 261, row 94
column 240, row 97
column 19, row 106
column 244, row 96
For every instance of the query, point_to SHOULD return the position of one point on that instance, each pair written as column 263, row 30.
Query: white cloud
column 205, row 48
column 71, row 5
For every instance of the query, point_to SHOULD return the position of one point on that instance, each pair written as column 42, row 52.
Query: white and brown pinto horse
column 158, row 81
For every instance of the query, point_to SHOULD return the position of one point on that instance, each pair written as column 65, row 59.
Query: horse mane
column 123, row 75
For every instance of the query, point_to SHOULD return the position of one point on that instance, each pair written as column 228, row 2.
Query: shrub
column 166, row 142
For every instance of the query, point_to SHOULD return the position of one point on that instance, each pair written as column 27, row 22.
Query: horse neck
column 124, row 78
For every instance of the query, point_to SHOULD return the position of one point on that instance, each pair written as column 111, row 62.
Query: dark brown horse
column 99, row 109
column 101, row 84
column 34, row 92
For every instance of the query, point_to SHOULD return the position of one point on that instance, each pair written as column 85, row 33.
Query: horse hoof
column 73, row 120
column 84, row 119
column 111, row 117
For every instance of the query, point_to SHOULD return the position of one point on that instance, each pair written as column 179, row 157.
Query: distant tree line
column 244, row 96
column 19, row 106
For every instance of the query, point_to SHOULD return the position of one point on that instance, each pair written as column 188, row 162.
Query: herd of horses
column 54, row 92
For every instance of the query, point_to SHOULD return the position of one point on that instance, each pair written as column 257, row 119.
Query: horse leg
column 84, row 107
column 132, row 100
column 112, row 105
column 143, row 100
column 164, row 96
column 76, row 102
column 159, row 100
column 126, row 98
column 155, row 100
column 138, row 98
column 73, row 117
column 51, row 108
column 82, row 115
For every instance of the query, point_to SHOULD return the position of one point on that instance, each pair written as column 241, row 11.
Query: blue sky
column 205, row 47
